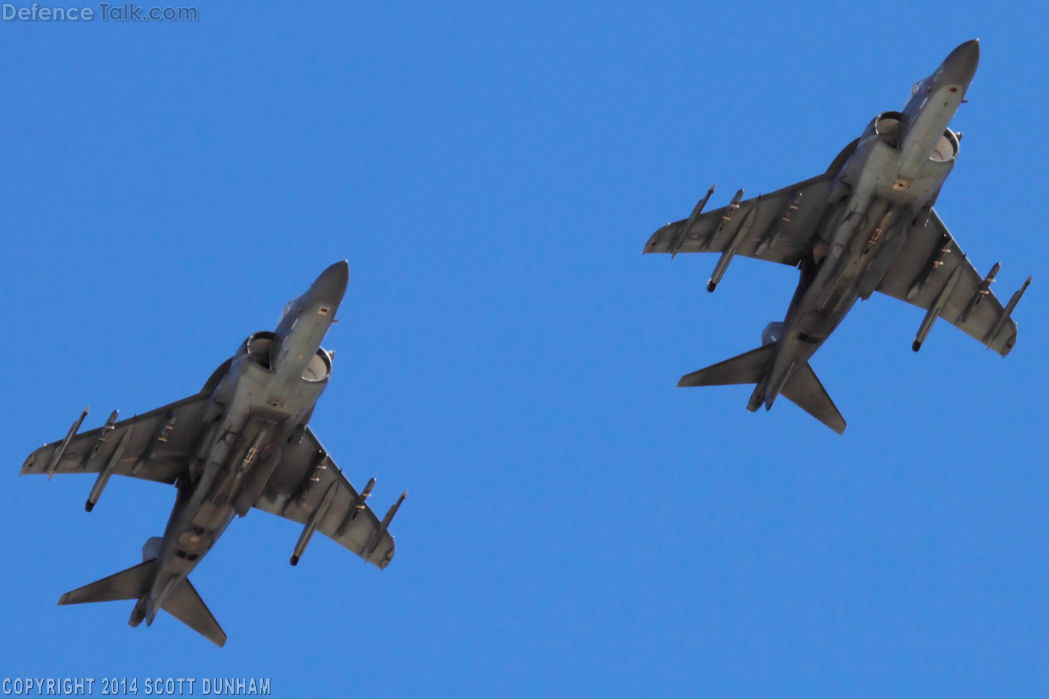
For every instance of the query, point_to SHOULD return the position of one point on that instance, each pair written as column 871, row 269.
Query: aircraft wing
column 776, row 227
column 916, row 277
column 308, row 484
column 154, row 446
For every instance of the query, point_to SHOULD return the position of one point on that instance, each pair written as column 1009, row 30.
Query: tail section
column 806, row 391
column 183, row 602
column 186, row 605
column 749, row 367
column 801, row 387
column 127, row 584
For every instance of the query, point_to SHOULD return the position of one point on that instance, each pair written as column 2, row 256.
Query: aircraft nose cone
column 961, row 64
column 331, row 284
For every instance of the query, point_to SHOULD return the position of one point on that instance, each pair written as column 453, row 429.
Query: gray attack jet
column 866, row 224
column 242, row 442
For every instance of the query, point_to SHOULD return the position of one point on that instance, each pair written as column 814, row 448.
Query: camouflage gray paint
column 242, row 442
column 867, row 224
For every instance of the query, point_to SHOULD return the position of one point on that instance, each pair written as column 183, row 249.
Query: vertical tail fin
column 806, row 391
column 186, row 605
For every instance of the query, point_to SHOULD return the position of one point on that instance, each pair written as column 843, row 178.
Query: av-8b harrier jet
column 242, row 442
column 867, row 224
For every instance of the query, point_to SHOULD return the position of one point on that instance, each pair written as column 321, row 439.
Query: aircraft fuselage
column 882, row 190
column 261, row 396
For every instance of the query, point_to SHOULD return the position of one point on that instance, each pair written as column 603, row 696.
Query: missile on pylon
column 1006, row 313
column 108, row 469
column 981, row 292
column 100, row 441
column 726, row 218
column 730, row 249
column 52, row 466
column 778, row 225
column 936, row 308
column 935, row 261
column 679, row 239
column 377, row 535
column 311, row 524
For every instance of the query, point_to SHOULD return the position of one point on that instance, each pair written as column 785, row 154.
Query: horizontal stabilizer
column 127, row 584
column 749, row 367
column 805, row 390
column 186, row 605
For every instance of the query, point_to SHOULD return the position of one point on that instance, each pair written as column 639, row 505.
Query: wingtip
column 385, row 561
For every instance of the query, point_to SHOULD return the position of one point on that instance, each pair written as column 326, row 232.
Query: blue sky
column 575, row 525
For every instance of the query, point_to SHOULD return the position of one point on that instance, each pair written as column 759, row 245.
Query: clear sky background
column 575, row 524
